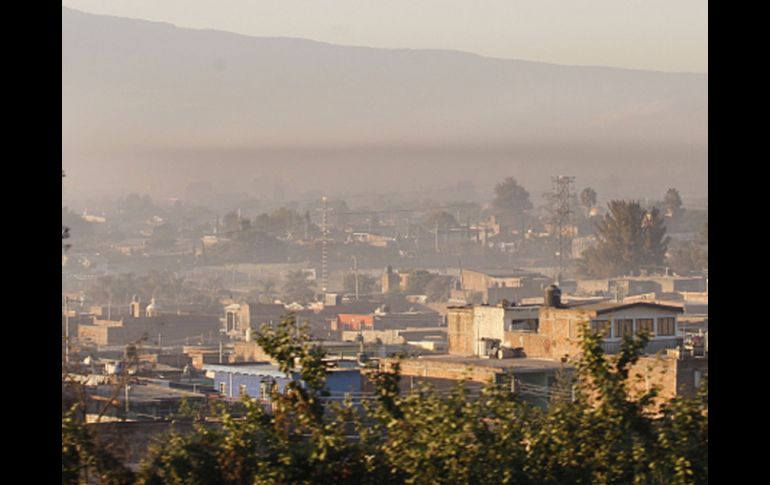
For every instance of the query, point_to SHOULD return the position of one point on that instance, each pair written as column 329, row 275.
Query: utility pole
column 66, row 331
column 435, row 231
column 127, row 389
column 324, row 230
column 220, row 347
column 355, row 273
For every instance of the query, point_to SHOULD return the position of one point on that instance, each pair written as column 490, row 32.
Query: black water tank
column 553, row 296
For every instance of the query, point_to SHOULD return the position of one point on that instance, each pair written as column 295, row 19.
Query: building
column 535, row 379
column 163, row 329
column 143, row 400
column 558, row 329
column 390, row 281
column 636, row 285
column 478, row 330
column 259, row 379
column 551, row 332
column 498, row 284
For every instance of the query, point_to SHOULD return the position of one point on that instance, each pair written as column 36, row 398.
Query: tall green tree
column 628, row 238
column 588, row 199
column 690, row 257
column 673, row 202
column 511, row 197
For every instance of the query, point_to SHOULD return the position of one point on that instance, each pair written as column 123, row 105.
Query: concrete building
column 551, row 332
column 477, row 330
column 636, row 285
column 259, row 379
column 495, row 285
column 164, row 329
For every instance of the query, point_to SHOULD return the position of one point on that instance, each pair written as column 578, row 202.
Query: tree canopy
column 588, row 199
column 366, row 284
column 297, row 287
column 511, row 197
column 673, row 202
column 628, row 239
column 595, row 430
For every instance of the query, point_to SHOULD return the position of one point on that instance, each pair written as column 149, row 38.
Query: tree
column 691, row 256
column 594, row 431
column 588, row 199
column 298, row 287
column 673, row 202
column 511, row 197
column 65, row 231
column 628, row 239
column 163, row 236
column 438, row 288
column 418, row 281
column 443, row 219
column 231, row 224
column 366, row 284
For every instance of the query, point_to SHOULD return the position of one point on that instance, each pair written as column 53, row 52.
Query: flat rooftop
column 504, row 273
column 521, row 364
column 145, row 393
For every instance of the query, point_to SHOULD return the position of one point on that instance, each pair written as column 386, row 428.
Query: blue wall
column 338, row 382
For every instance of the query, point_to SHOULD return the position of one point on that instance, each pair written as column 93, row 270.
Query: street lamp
column 67, row 299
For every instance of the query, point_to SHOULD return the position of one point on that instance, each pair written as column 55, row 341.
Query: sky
column 658, row 35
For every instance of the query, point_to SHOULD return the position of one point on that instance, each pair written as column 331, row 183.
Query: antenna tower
column 561, row 211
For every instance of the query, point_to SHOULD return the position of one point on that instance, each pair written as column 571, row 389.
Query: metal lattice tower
column 561, row 212
column 324, row 232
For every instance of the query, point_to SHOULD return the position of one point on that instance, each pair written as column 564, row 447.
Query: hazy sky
column 661, row 35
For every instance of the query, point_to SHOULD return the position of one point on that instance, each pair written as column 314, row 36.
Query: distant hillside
column 142, row 99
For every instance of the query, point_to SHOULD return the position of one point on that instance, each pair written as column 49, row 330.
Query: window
column 264, row 389
column 602, row 327
column 666, row 326
column 223, row 388
column 645, row 325
column 624, row 328
column 242, row 390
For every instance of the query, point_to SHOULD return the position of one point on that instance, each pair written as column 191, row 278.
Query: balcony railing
column 653, row 346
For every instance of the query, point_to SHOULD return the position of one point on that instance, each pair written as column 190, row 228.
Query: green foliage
column 691, row 256
column 485, row 436
column 511, row 197
column 438, row 288
column 163, row 236
column 164, row 285
column 628, row 238
column 588, row 198
column 84, row 460
column 419, row 280
column 673, row 202
column 366, row 284
column 444, row 220
column 298, row 287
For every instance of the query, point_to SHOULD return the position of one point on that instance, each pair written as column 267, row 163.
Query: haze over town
column 302, row 240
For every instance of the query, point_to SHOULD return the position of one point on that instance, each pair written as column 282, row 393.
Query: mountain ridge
column 153, row 92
